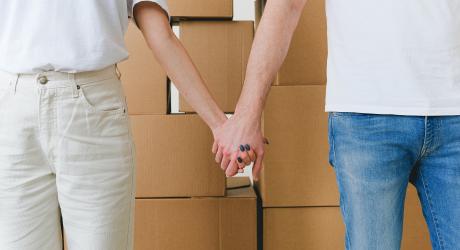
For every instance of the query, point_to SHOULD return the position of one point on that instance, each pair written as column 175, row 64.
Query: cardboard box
column 174, row 157
column 226, row 223
column 64, row 241
column 144, row 80
column 220, row 50
column 313, row 228
column 415, row 231
column 186, row 9
column 297, row 170
column 238, row 182
column 307, row 57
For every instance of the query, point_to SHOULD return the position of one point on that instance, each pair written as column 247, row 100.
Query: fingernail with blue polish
column 241, row 148
column 247, row 147
column 240, row 160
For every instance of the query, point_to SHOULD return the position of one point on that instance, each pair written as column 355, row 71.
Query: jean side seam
column 342, row 203
column 332, row 140
column 435, row 220
column 347, row 233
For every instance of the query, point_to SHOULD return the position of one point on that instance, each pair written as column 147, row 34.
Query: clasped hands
column 238, row 142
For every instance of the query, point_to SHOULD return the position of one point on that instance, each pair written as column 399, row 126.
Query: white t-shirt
column 393, row 56
column 64, row 35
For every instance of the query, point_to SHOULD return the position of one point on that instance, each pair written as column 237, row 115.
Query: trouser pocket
column 104, row 96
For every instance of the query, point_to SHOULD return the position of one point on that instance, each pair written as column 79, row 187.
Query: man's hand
column 237, row 143
column 275, row 30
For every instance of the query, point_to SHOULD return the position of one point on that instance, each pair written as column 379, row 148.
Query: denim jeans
column 376, row 156
column 66, row 148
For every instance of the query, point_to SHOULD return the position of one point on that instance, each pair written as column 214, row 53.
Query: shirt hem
column 388, row 110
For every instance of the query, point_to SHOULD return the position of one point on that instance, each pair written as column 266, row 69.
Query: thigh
column 438, row 184
column 96, row 170
column 29, row 211
column 372, row 156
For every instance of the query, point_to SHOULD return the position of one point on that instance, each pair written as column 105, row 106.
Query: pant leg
column 437, row 180
column 96, row 168
column 372, row 156
column 29, row 210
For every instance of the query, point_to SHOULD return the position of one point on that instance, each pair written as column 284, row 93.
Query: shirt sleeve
column 131, row 3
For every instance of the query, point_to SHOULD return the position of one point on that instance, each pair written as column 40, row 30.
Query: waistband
column 58, row 76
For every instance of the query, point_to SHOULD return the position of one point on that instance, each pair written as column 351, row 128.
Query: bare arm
column 173, row 57
column 269, row 50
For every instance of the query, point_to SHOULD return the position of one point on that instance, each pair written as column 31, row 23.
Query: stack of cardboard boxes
column 182, row 201
column 298, row 186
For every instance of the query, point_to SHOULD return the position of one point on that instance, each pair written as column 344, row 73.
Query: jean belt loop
column 75, row 86
column 14, row 82
column 117, row 71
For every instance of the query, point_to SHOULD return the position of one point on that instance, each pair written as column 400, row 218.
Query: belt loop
column 14, row 82
column 75, row 86
column 118, row 71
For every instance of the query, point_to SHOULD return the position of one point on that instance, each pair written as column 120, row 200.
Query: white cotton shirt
column 64, row 35
column 393, row 56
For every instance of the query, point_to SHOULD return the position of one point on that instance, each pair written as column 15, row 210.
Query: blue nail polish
column 247, row 147
column 241, row 148
column 240, row 160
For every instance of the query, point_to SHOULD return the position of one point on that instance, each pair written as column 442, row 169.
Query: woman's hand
column 237, row 143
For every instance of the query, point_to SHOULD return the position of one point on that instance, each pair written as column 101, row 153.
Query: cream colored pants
column 65, row 148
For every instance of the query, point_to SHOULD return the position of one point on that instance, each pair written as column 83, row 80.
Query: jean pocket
column 104, row 96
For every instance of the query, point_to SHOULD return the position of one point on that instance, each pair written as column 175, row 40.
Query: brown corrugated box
column 226, row 223
column 174, row 157
column 415, row 231
column 220, row 50
column 307, row 57
column 238, row 182
column 201, row 9
column 313, row 228
column 144, row 80
column 297, row 170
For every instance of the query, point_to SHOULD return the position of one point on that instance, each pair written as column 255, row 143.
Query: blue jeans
column 376, row 156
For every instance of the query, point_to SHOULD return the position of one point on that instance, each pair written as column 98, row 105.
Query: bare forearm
column 177, row 63
column 269, row 50
column 180, row 68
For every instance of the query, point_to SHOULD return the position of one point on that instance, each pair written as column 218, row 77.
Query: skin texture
column 270, row 47
column 170, row 53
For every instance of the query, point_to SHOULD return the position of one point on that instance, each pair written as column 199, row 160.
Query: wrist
column 220, row 119
column 248, row 114
column 252, row 118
